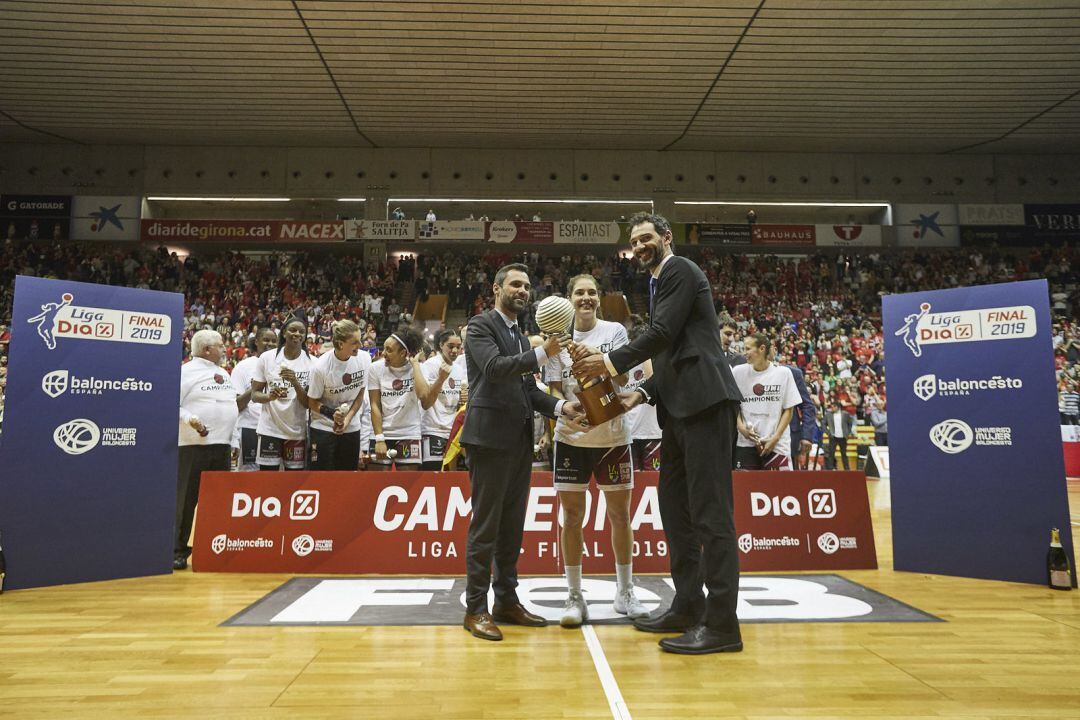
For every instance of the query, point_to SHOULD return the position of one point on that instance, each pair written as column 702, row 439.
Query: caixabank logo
column 65, row 320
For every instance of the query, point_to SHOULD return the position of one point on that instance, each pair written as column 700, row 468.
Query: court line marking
column 619, row 710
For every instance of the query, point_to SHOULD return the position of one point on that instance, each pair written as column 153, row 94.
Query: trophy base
column 600, row 401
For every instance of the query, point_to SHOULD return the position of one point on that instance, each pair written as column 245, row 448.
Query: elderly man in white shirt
column 208, row 413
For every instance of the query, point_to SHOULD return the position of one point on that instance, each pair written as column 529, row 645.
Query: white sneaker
column 575, row 611
column 626, row 603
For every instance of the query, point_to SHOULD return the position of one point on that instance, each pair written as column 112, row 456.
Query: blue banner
column 89, row 441
column 978, row 474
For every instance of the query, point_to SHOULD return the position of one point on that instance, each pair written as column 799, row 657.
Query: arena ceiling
column 722, row 75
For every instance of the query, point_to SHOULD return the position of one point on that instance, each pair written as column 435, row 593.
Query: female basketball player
column 394, row 388
column 280, row 383
column 335, row 397
column 447, row 390
column 602, row 452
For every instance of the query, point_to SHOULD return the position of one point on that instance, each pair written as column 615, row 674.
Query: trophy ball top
column 554, row 314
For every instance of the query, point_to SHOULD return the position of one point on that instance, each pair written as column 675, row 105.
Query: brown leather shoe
column 482, row 626
column 516, row 614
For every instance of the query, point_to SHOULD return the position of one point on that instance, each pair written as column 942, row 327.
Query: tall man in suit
column 498, row 433
column 697, row 402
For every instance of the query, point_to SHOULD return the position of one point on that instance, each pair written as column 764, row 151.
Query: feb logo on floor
column 440, row 601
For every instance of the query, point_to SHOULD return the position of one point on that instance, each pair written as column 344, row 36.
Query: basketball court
column 179, row 646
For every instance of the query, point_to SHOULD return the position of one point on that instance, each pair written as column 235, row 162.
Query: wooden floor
column 153, row 648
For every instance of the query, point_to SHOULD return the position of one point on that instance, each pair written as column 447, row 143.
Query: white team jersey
column 440, row 416
column 605, row 337
column 206, row 392
column 765, row 396
column 285, row 418
column 242, row 376
column 642, row 418
column 400, row 405
column 337, row 383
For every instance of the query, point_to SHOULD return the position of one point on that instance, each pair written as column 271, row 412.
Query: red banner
column 782, row 235
column 415, row 523
column 166, row 230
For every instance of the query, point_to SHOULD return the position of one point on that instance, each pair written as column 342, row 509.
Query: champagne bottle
column 3, row 566
column 1057, row 563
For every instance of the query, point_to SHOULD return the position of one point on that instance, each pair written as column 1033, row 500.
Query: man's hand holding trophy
column 596, row 391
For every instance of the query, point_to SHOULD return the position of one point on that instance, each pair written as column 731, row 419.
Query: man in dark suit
column 697, row 402
column 498, row 434
column 840, row 426
column 803, row 421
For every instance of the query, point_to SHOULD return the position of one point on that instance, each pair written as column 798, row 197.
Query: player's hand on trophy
column 581, row 350
column 573, row 410
column 554, row 343
column 590, row 366
column 578, row 425
column 631, row 400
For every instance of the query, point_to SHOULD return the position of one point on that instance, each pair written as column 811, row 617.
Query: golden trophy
column 598, row 397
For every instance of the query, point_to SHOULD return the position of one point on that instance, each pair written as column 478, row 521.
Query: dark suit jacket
column 502, row 391
column 690, row 372
column 804, row 419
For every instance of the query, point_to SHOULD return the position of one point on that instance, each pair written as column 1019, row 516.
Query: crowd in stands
column 823, row 310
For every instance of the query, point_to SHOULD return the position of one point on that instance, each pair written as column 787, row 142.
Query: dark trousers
column 881, row 439
column 330, row 451
column 830, row 452
column 193, row 460
column 500, row 495
column 697, row 510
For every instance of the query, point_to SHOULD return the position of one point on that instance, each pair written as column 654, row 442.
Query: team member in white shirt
column 246, row 437
column 394, row 389
column 208, row 414
column 280, row 384
column 602, row 452
column 644, row 428
column 335, row 397
column 447, row 390
column 769, row 397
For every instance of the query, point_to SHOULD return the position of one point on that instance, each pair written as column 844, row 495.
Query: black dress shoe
column 668, row 621
column 701, row 641
column 179, row 564
column 516, row 614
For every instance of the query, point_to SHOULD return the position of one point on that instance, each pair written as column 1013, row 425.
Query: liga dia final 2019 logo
column 1004, row 323
column 62, row 319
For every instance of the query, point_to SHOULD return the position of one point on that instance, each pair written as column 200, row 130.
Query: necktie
column 512, row 329
column 652, row 293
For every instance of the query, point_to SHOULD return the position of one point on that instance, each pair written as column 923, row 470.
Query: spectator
column 840, row 425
